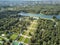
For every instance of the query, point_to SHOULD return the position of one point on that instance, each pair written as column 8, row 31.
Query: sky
column 29, row 0
column 32, row 0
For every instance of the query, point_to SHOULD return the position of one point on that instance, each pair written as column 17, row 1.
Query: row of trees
column 44, row 9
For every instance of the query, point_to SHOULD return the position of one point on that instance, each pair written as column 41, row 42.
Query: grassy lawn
column 14, row 36
column 0, row 44
column 27, row 40
column 21, row 38
column 32, row 30
column 24, row 33
column 33, row 26
column 0, row 38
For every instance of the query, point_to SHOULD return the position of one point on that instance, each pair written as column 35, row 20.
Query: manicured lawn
column 0, row 44
column 33, row 26
column 27, row 40
column 21, row 38
column 0, row 38
column 24, row 33
column 32, row 30
column 14, row 36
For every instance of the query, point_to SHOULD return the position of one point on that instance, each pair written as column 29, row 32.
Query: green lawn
column 0, row 38
column 24, row 33
column 14, row 36
column 21, row 38
column 27, row 40
column 0, row 44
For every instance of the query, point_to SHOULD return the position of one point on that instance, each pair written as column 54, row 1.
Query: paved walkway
column 30, row 29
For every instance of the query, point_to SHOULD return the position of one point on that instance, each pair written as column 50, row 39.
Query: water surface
column 39, row 15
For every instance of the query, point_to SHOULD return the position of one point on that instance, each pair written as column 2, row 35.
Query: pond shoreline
column 39, row 15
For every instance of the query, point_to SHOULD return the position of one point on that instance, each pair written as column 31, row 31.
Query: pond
column 39, row 15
